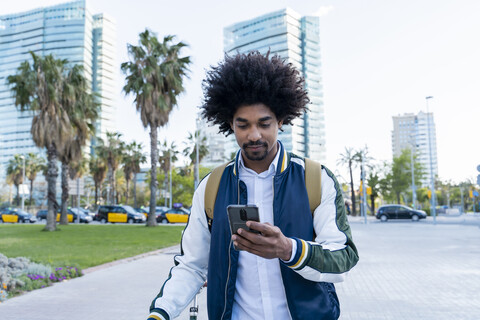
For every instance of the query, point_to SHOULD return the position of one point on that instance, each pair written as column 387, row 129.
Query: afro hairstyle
column 252, row 78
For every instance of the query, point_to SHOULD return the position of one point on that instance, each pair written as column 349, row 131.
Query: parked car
column 42, row 215
column 71, row 215
column 174, row 215
column 119, row 214
column 16, row 215
column 86, row 211
column 142, row 211
column 76, row 212
column 398, row 211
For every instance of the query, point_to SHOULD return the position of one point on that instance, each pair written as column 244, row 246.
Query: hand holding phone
column 238, row 215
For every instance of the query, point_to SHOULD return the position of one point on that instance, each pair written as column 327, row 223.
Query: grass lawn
column 84, row 245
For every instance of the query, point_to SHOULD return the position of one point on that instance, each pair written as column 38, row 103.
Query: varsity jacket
column 324, row 253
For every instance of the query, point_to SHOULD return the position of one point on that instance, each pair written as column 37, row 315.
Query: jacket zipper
column 230, row 257
column 273, row 200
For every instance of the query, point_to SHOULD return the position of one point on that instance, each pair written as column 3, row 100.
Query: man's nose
column 254, row 134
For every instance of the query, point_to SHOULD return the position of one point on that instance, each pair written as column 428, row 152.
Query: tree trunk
column 52, row 174
column 372, row 201
column 126, row 192
column 135, row 190
column 152, row 221
column 352, row 191
column 110, row 183
column 31, row 192
column 398, row 197
column 63, row 212
column 18, row 195
column 96, row 195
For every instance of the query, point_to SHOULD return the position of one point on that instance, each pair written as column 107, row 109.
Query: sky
column 380, row 58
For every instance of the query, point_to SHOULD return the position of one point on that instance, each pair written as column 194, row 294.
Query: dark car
column 398, row 211
column 16, row 215
column 71, row 215
column 42, row 215
column 115, row 214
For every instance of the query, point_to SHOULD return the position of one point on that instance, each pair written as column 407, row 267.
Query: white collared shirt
column 259, row 290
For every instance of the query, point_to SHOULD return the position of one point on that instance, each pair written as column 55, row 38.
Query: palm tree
column 98, row 170
column 167, row 157
column 155, row 76
column 15, row 173
column 38, row 88
column 191, row 152
column 78, row 169
column 362, row 160
column 33, row 165
column 347, row 159
column 112, row 153
column 82, row 110
column 132, row 159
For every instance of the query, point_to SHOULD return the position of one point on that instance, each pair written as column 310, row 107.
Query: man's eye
column 265, row 125
column 242, row 127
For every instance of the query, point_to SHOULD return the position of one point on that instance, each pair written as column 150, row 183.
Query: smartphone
column 239, row 214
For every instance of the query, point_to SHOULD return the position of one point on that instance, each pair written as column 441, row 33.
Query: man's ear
column 280, row 124
column 231, row 126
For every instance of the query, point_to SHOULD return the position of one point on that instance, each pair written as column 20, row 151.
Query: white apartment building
column 412, row 131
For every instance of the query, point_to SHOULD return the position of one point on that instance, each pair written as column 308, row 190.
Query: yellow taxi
column 14, row 215
column 174, row 215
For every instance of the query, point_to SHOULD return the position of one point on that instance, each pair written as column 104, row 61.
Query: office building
column 296, row 39
column 220, row 148
column 412, row 131
column 68, row 31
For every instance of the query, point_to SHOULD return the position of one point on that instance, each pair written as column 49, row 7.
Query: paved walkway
column 406, row 271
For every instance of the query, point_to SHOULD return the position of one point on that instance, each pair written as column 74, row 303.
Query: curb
column 175, row 248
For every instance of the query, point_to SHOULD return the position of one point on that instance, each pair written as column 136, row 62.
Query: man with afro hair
column 286, row 269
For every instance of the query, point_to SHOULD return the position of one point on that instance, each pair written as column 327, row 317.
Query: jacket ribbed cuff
column 301, row 256
column 158, row 314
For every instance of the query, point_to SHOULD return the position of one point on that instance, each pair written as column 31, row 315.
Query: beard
column 259, row 155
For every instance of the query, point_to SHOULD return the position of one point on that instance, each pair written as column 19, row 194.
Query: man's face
column 256, row 130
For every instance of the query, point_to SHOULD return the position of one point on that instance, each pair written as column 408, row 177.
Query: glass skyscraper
column 296, row 39
column 68, row 31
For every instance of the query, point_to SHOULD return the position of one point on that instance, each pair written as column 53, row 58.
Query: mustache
column 254, row 143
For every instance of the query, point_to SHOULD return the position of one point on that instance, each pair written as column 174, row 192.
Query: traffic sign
column 478, row 168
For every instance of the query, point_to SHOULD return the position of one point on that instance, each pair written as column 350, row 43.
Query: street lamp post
column 432, row 178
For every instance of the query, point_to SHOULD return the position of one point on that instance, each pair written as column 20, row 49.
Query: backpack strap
column 211, row 189
column 313, row 182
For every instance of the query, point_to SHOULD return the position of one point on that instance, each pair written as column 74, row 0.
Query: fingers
column 265, row 228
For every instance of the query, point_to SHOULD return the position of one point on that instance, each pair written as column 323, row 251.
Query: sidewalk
column 406, row 271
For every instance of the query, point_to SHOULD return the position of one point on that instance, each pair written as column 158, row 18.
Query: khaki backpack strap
column 211, row 189
column 313, row 182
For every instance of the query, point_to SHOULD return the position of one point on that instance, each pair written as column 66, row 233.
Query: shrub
column 3, row 292
column 18, row 275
